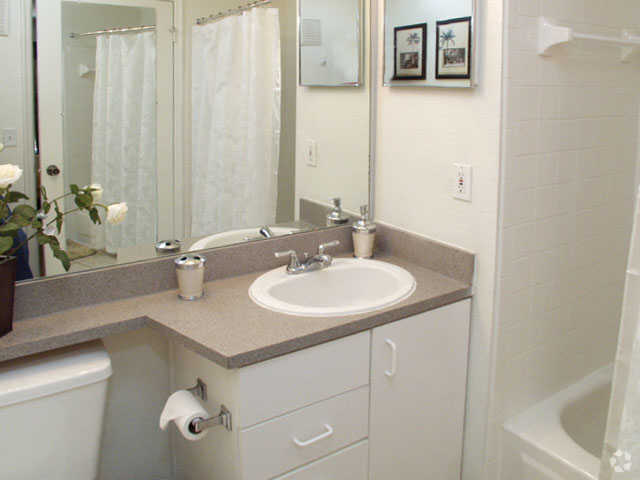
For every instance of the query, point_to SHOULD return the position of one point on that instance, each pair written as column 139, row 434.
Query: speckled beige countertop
column 225, row 326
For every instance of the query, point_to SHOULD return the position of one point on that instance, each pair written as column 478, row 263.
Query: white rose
column 96, row 191
column 9, row 174
column 116, row 213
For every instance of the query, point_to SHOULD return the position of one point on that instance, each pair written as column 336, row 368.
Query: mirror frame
column 473, row 81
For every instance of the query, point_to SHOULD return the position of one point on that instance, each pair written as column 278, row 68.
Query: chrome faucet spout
column 320, row 261
column 266, row 232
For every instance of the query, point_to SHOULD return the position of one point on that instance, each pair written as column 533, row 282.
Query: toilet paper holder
column 200, row 390
column 198, row 425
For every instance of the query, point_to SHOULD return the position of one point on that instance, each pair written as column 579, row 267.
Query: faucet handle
column 294, row 262
column 323, row 246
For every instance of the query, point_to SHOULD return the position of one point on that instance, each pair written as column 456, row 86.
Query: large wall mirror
column 430, row 43
column 190, row 111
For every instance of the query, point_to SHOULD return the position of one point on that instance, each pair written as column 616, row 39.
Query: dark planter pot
column 7, row 290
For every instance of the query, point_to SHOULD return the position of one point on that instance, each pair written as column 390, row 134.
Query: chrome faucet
column 266, row 232
column 320, row 261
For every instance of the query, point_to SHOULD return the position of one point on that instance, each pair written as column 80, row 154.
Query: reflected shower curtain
column 236, row 121
column 124, row 136
column 621, row 457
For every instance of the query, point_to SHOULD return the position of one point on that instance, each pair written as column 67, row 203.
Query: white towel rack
column 550, row 35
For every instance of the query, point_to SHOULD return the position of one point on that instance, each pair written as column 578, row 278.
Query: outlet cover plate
column 462, row 182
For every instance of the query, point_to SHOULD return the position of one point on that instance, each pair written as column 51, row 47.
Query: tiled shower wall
column 570, row 144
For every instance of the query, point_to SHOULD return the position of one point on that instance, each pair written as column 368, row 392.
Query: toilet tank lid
column 53, row 372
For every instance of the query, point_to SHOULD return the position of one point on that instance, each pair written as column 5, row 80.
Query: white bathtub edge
column 541, row 425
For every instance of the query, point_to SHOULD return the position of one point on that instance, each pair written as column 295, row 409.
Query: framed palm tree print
column 453, row 48
column 410, row 46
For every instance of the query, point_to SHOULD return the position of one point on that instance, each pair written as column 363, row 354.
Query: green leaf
column 74, row 189
column 46, row 207
column 13, row 197
column 43, row 239
column 20, row 221
column 43, row 193
column 84, row 201
column 9, row 229
column 5, row 244
column 59, row 219
column 95, row 216
column 63, row 257
column 36, row 223
column 53, row 241
column 25, row 211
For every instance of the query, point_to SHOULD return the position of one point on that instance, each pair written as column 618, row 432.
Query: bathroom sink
column 237, row 236
column 348, row 287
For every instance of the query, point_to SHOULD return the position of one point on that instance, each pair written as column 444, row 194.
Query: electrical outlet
column 311, row 153
column 10, row 137
column 462, row 184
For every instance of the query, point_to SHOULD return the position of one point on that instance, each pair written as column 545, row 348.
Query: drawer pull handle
column 394, row 359
column 311, row 441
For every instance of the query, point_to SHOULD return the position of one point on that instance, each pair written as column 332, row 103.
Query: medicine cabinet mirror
column 330, row 43
column 430, row 43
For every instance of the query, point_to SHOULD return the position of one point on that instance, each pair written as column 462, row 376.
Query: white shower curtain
column 236, row 121
column 621, row 454
column 124, row 136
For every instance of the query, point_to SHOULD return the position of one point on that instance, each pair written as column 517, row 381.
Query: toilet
column 51, row 413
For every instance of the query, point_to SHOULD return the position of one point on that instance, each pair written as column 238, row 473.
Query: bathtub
column 561, row 437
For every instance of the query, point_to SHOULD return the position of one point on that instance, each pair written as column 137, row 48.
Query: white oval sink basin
column 348, row 287
column 237, row 236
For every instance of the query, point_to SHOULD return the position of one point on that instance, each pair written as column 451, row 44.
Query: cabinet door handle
column 311, row 441
column 394, row 359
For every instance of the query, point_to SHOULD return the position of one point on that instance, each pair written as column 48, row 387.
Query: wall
column 570, row 135
column 337, row 119
column 194, row 9
column 421, row 133
column 12, row 93
column 15, row 86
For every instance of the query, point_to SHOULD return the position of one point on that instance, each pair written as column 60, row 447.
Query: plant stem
column 59, row 198
column 23, row 243
column 4, row 200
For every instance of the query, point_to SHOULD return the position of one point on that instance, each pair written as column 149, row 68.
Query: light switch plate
column 311, row 153
column 10, row 137
column 462, row 182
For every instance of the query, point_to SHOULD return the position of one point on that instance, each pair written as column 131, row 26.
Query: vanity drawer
column 352, row 463
column 287, row 383
column 282, row 444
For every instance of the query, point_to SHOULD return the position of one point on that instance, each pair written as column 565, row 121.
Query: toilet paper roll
column 181, row 408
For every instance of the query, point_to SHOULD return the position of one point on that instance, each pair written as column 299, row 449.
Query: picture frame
column 453, row 48
column 410, row 52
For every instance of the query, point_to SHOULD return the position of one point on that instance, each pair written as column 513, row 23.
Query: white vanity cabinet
column 418, row 390
column 331, row 412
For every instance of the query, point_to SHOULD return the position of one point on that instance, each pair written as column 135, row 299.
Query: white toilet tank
column 51, row 412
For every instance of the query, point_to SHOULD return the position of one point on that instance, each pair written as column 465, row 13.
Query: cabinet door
column 418, row 390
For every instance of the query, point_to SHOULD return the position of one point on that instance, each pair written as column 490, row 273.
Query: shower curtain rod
column 142, row 28
column 233, row 11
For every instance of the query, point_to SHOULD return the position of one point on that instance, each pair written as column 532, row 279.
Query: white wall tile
column 571, row 148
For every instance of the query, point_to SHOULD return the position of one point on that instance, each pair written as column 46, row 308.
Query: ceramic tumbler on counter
column 190, row 272
column 364, row 235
